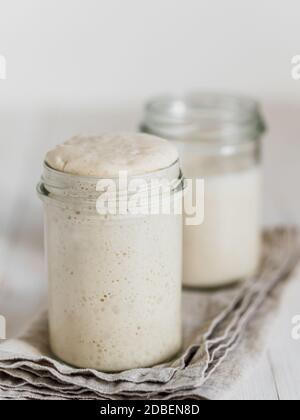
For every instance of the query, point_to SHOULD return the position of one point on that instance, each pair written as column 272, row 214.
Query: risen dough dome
column 108, row 154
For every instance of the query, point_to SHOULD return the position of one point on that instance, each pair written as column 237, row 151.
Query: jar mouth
column 216, row 117
column 85, row 190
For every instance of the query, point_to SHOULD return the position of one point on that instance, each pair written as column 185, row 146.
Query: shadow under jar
column 219, row 140
column 114, row 280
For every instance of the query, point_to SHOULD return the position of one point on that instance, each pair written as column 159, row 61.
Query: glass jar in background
column 219, row 139
column 114, row 280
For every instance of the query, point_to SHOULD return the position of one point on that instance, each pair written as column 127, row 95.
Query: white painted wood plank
column 278, row 375
column 284, row 350
column 22, row 279
column 260, row 386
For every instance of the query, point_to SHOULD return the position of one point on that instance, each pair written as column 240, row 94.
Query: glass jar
column 114, row 280
column 218, row 137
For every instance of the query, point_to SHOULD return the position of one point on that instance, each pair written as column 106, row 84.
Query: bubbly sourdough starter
column 115, row 284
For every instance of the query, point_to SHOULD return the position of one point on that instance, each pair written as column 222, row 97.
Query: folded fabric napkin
column 224, row 333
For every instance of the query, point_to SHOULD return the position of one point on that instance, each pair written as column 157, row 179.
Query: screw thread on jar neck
column 73, row 189
column 205, row 117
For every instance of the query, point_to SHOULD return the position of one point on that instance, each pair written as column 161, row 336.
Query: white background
column 88, row 65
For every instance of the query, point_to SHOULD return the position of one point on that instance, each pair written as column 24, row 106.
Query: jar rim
column 66, row 187
column 93, row 178
column 221, row 117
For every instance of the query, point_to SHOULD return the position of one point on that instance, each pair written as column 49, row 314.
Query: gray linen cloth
column 225, row 332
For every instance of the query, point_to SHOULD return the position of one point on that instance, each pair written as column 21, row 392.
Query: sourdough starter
column 115, row 282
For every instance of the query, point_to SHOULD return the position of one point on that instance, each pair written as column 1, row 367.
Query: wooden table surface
column 25, row 138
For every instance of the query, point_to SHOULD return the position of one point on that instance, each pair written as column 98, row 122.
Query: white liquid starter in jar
column 218, row 137
column 114, row 281
column 227, row 246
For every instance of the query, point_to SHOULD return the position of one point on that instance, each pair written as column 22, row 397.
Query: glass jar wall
column 114, row 279
column 218, row 137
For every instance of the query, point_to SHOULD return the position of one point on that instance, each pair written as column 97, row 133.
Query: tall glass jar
column 114, row 279
column 218, row 137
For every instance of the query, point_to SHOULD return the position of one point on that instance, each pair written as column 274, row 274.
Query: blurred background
column 78, row 66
